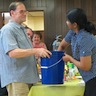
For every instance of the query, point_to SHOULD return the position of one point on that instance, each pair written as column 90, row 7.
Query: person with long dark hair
column 83, row 44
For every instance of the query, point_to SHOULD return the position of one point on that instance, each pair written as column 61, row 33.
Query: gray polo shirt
column 13, row 36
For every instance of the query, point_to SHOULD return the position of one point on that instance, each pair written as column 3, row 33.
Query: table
column 69, row 88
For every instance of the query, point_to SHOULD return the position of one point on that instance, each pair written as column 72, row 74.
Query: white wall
column 35, row 22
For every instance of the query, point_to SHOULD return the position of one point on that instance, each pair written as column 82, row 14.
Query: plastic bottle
column 56, row 43
column 71, row 70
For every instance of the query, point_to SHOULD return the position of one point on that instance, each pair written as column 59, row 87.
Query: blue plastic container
column 52, row 69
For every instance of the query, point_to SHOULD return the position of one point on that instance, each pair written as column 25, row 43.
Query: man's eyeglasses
column 22, row 11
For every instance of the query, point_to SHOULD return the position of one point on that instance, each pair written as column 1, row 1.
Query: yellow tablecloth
column 69, row 88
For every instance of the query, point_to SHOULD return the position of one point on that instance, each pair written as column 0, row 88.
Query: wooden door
column 1, row 20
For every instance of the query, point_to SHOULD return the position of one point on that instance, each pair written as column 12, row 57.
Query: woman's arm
column 63, row 45
column 84, row 63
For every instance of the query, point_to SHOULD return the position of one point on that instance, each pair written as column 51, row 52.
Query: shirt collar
column 16, row 24
column 80, row 31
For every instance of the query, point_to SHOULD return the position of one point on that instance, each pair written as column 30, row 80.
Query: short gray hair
column 14, row 5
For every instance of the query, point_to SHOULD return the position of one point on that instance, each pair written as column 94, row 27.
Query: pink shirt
column 40, row 45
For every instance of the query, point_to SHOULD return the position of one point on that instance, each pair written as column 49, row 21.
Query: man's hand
column 42, row 52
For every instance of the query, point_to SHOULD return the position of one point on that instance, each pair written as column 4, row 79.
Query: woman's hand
column 67, row 57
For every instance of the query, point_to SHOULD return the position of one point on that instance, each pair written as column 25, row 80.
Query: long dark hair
column 78, row 16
